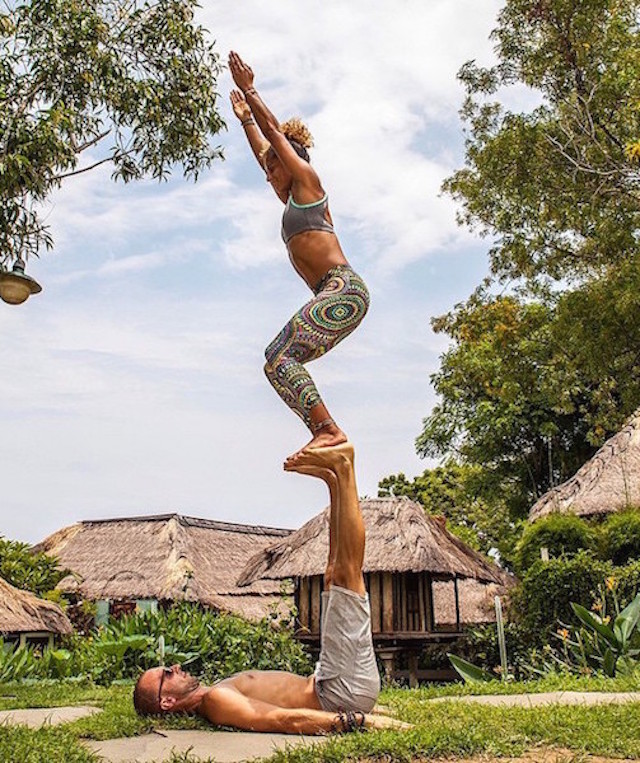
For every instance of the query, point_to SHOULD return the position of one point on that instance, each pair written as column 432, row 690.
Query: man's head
column 166, row 690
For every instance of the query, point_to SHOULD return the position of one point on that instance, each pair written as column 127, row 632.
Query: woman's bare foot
column 328, row 458
column 322, row 472
column 327, row 437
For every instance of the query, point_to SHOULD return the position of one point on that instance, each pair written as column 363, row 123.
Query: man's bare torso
column 271, row 687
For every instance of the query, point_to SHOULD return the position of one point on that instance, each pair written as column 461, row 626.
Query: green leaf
column 609, row 663
column 628, row 619
column 590, row 621
column 470, row 673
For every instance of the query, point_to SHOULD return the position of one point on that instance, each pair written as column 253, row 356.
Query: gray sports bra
column 298, row 218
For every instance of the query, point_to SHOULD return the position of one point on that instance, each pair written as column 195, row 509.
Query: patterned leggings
column 340, row 303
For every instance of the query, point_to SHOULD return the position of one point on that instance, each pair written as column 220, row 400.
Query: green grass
column 440, row 729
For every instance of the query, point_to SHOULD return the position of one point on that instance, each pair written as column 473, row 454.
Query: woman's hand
column 239, row 105
column 242, row 73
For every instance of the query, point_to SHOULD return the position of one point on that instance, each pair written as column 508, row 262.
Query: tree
column 19, row 566
column 529, row 388
column 557, row 187
column 463, row 494
column 130, row 82
column 540, row 374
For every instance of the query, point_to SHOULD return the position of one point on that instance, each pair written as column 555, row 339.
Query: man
column 345, row 684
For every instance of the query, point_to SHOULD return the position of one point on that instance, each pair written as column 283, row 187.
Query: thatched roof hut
column 400, row 538
column 168, row 557
column 21, row 612
column 610, row 481
column 424, row 583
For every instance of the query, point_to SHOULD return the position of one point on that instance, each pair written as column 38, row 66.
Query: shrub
column 626, row 582
column 563, row 534
column 621, row 536
column 22, row 568
column 211, row 645
column 544, row 596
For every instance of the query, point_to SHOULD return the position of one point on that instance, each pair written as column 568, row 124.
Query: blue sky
column 133, row 384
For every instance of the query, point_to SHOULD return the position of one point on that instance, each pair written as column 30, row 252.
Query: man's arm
column 225, row 706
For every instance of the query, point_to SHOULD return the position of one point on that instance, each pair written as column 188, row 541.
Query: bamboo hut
column 25, row 618
column 608, row 482
column 142, row 562
column 424, row 583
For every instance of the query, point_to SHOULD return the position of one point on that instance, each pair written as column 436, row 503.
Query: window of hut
column 102, row 612
column 9, row 643
column 146, row 605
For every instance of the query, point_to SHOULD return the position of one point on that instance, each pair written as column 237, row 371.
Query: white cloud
column 134, row 382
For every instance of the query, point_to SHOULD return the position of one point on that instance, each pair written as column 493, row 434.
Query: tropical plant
column 211, row 645
column 16, row 663
column 469, row 672
column 609, row 644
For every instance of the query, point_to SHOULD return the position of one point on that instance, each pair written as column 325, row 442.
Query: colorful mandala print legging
column 340, row 303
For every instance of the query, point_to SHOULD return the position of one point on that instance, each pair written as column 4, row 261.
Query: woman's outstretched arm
column 267, row 122
column 256, row 139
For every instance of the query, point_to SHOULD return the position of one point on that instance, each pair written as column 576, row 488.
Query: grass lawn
column 446, row 729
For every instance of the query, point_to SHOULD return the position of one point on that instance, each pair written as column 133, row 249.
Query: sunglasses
column 165, row 672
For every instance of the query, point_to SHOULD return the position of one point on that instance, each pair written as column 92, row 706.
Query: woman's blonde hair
column 295, row 130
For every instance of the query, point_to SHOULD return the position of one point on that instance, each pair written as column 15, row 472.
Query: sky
column 133, row 383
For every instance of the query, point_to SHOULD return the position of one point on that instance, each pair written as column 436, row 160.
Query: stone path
column 548, row 698
column 35, row 717
column 223, row 746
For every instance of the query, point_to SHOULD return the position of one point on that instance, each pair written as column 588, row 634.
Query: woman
column 341, row 298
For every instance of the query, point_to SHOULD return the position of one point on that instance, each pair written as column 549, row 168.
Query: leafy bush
column 22, row 568
column 546, row 592
column 563, row 534
column 211, row 645
column 621, row 536
column 626, row 583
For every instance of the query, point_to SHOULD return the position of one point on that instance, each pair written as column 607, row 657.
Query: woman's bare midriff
column 313, row 253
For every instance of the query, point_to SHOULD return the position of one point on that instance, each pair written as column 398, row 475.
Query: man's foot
column 328, row 458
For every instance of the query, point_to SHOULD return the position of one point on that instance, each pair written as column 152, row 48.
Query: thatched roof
column 400, row 538
column 610, row 481
column 167, row 557
column 23, row 612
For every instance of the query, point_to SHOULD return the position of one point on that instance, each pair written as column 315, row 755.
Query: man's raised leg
column 349, row 526
column 327, row 476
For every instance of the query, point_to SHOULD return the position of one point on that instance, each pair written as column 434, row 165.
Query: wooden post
column 404, row 626
column 303, row 603
column 387, row 603
column 374, row 600
column 431, row 618
column 413, row 670
column 315, row 604
column 422, row 606
column 455, row 588
column 387, row 663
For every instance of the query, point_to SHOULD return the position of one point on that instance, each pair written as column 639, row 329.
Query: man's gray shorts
column 346, row 674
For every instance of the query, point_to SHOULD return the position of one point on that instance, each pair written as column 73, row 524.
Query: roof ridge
column 188, row 521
